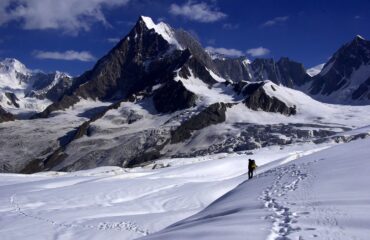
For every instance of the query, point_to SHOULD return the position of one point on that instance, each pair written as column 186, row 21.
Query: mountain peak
column 358, row 41
column 359, row 37
column 12, row 64
column 148, row 21
column 162, row 29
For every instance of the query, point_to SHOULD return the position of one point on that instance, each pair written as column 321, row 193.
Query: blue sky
column 70, row 35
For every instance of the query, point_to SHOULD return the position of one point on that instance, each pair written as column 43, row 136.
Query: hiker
column 251, row 167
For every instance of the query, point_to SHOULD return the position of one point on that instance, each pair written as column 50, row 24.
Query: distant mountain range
column 24, row 92
column 153, row 95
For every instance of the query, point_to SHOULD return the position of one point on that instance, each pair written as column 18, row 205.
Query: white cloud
column 258, row 52
column 357, row 17
column 275, row 21
column 69, row 55
column 200, row 12
column 71, row 16
column 113, row 40
column 230, row 52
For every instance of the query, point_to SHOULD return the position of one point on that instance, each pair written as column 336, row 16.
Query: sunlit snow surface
column 315, row 70
column 323, row 194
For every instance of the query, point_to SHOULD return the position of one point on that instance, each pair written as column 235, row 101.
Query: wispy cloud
column 69, row 55
column 197, row 11
column 357, row 17
column 275, row 21
column 230, row 26
column 70, row 16
column 230, row 52
column 113, row 40
column 258, row 52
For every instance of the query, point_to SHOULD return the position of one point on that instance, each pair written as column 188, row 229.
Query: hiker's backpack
column 254, row 166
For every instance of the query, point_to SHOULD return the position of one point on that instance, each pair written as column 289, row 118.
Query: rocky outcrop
column 198, row 70
column 12, row 99
column 5, row 116
column 187, row 41
column 213, row 114
column 260, row 100
column 234, row 69
column 247, row 88
column 265, row 68
column 285, row 72
column 363, row 91
column 292, row 74
column 173, row 96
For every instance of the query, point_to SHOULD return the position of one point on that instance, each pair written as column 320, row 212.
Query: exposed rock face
column 213, row 114
column 346, row 72
column 5, row 116
column 259, row 100
column 292, row 74
column 363, row 91
column 187, row 41
column 198, row 70
column 234, row 69
column 12, row 99
column 263, row 69
column 247, row 88
column 285, row 72
column 124, row 70
column 173, row 96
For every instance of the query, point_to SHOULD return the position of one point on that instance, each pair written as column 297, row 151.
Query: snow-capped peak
column 148, row 22
column 162, row 29
column 9, row 65
column 246, row 61
column 315, row 70
column 59, row 74
column 360, row 37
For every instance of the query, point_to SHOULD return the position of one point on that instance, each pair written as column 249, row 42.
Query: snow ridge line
column 283, row 218
column 103, row 226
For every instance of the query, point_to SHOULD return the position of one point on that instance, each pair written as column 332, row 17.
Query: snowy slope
column 315, row 70
column 314, row 195
column 206, row 94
